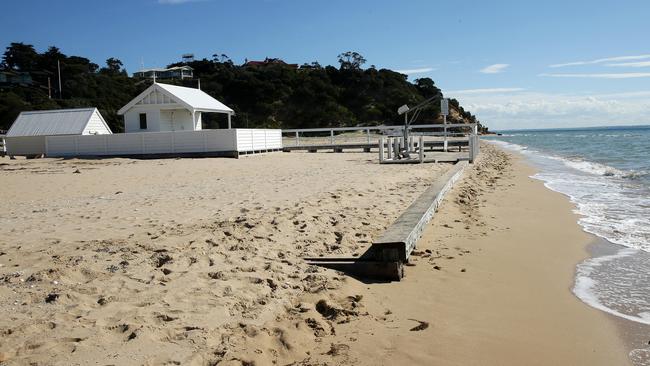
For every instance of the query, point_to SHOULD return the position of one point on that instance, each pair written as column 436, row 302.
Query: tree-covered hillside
column 268, row 94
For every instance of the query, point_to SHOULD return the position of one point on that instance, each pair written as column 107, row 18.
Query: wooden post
column 390, row 148
column 332, row 137
column 471, row 148
column 229, row 119
column 421, row 150
column 444, row 147
column 381, row 149
column 297, row 138
column 395, row 147
column 368, row 134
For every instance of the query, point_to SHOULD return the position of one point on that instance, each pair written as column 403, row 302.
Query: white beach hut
column 27, row 135
column 164, row 107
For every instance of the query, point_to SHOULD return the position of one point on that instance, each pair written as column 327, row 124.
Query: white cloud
column 484, row 91
column 622, row 75
column 602, row 60
column 631, row 64
column 494, row 69
column 422, row 70
column 529, row 109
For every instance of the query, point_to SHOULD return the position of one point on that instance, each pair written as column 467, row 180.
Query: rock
column 338, row 349
column 160, row 259
column 422, row 326
column 304, row 307
column 50, row 298
column 218, row 275
column 76, row 172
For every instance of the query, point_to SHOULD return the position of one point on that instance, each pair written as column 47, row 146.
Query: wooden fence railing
column 3, row 146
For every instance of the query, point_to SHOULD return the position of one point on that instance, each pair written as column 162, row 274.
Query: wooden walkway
column 399, row 240
column 387, row 255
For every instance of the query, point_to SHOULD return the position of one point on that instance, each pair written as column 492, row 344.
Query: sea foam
column 616, row 208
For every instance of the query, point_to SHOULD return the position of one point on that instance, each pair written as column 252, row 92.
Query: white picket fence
column 231, row 141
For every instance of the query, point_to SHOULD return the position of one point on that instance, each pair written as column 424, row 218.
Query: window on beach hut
column 143, row 121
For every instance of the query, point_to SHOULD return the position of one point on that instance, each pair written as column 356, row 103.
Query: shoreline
column 632, row 332
column 220, row 278
column 635, row 335
column 490, row 283
column 492, row 279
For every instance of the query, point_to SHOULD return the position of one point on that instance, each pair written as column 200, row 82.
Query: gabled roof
column 190, row 98
column 53, row 122
column 160, row 69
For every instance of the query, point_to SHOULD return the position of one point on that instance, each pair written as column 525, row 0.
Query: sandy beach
column 198, row 261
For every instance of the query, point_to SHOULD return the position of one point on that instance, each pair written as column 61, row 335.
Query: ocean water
column 606, row 173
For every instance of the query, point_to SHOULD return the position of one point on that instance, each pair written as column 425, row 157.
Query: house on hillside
column 269, row 62
column 28, row 133
column 10, row 78
column 178, row 72
column 164, row 107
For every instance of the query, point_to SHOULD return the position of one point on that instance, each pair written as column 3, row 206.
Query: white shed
column 27, row 134
column 164, row 107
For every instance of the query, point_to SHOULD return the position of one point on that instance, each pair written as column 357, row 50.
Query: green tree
column 20, row 56
column 113, row 66
column 351, row 60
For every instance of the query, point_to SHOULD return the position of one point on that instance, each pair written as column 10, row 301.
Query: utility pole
column 58, row 66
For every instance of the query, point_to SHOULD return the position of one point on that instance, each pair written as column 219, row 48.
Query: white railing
column 367, row 135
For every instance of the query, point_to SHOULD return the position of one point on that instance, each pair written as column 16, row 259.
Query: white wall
column 95, row 126
column 176, row 120
column 205, row 141
column 198, row 121
column 159, row 120
column 254, row 139
column 25, row 145
column 132, row 120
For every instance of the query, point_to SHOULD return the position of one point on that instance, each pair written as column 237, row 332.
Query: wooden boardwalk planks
column 399, row 240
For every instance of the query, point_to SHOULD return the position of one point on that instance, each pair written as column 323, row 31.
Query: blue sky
column 515, row 64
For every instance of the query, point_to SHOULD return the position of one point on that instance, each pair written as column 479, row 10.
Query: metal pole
column 58, row 66
column 332, row 137
column 406, row 128
column 444, row 148
column 297, row 138
column 381, row 149
column 421, row 150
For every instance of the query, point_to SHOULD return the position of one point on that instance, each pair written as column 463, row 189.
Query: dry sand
column 163, row 261
column 197, row 261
